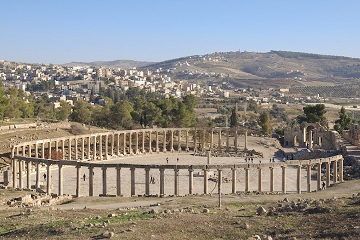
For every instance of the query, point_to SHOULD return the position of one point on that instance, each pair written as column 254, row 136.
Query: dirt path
column 345, row 189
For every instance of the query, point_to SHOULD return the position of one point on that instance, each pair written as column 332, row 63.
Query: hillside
column 124, row 64
column 275, row 68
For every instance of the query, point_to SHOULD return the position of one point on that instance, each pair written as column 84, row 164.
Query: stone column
column 179, row 140
column 205, row 181
column 219, row 185
column 283, row 182
column 37, row 181
column 308, row 178
column 247, row 179
column 118, row 181
column 233, row 180
column 69, row 149
column 327, row 164
column 21, row 162
column 147, row 181
column 82, row 148
column 143, row 142
column 157, row 141
column 95, row 150
column 259, row 179
column 335, row 174
column 42, row 150
column 219, row 140
column 176, row 181
column 227, row 141
column 298, row 180
column 130, row 144
column 57, row 149
column 245, row 144
column 60, row 184
column 88, row 148
column 162, row 181
column 236, row 141
column 48, row 179
column 101, row 147
column 112, row 144
column 124, row 143
column 318, row 176
column 132, row 178
column 106, row 147
column 76, row 150
column 136, row 142
column 104, row 179
column 36, row 150
column 187, row 141
column 14, row 174
column 191, row 181
column 118, row 144
column 195, row 141
column 341, row 170
column 172, row 140
column 271, row 179
column 28, row 171
column 78, row 172
column 91, row 181
column 164, row 141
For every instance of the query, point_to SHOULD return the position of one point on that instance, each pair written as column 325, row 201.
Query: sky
column 63, row 31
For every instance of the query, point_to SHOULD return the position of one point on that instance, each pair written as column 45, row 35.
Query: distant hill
column 124, row 64
column 274, row 68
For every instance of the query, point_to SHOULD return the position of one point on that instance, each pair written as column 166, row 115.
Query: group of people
column 167, row 160
column 152, row 180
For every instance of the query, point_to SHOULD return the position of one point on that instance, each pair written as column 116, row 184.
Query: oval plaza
column 158, row 162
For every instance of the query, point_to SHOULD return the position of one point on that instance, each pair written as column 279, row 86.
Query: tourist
column 323, row 185
column 177, row 159
column 167, row 160
column 44, row 176
column 84, row 177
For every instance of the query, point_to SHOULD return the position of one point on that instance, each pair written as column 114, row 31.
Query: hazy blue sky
column 60, row 31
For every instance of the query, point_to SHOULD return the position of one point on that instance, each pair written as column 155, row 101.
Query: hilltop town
column 213, row 76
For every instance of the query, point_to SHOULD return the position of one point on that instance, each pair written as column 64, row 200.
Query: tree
column 63, row 112
column 265, row 122
column 234, row 119
column 344, row 121
column 121, row 115
column 313, row 114
column 81, row 112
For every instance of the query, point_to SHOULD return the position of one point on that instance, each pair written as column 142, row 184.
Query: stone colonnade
column 336, row 161
column 103, row 146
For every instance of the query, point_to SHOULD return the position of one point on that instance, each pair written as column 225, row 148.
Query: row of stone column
column 337, row 177
column 101, row 146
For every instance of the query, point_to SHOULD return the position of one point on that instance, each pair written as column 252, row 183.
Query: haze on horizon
column 65, row 31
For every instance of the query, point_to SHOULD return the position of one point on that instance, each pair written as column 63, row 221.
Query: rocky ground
column 330, row 214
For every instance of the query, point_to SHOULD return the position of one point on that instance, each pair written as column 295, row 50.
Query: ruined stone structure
column 312, row 136
column 81, row 152
column 353, row 134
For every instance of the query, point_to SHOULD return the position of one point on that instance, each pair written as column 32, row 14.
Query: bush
column 77, row 129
